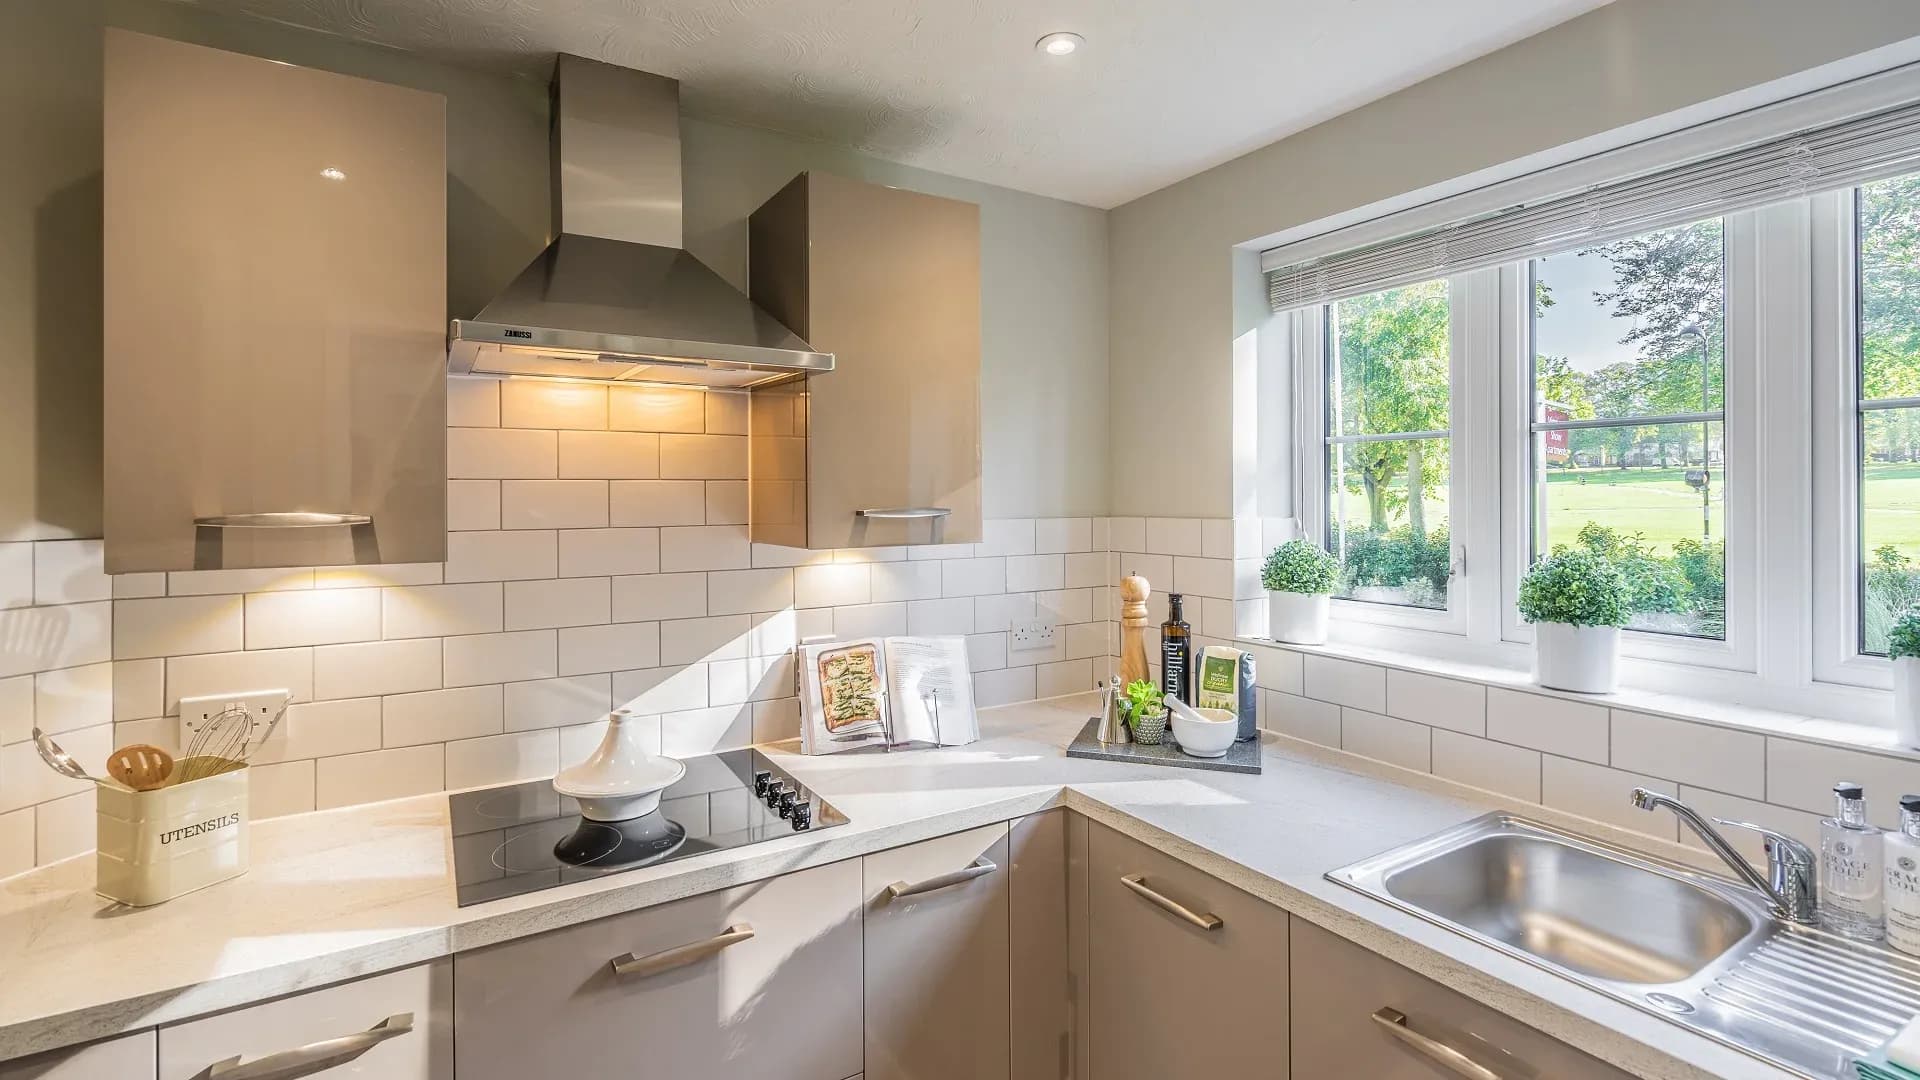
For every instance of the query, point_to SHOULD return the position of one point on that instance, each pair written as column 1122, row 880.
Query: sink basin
column 1693, row 948
column 1574, row 908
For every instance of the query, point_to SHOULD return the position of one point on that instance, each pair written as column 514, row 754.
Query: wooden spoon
column 140, row 766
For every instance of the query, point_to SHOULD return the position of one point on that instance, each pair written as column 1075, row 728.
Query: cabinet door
column 129, row 1057
column 1340, row 988
column 936, row 958
column 401, row 1021
column 1171, row 997
column 894, row 294
column 275, row 302
column 1041, row 993
column 698, row 999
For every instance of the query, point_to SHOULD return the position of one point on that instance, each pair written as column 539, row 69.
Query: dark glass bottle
column 1176, row 653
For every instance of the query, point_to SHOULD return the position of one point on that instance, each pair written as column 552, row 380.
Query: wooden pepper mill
column 1134, row 591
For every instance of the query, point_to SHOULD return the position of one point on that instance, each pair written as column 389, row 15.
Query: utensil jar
column 156, row 845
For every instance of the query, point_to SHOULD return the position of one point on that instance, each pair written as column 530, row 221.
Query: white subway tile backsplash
column 737, row 592
column 906, row 580
column 1003, row 687
column 473, row 402
column 870, row 620
column 16, row 575
column 1443, row 703
column 653, row 597
column 706, row 731
column 1088, row 639
column 437, row 716
column 389, row 575
column 703, row 457
column 652, row 691
column 317, row 729
column 1005, row 536
column 380, row 775
column 501, row 556
column 973, row 577
column 492, row 658
column 553, row 504
column 140, row 689
column 1558, row 726
column 1216, row 538
column 757, row 678
column 16, row 842
column 540, row 605
column 727, row 412
column 726, row 502
column 1801, row 776
column 706, row 547
column 527, row 403
column 68, row 699
column 137, row 586
column 1386, row 738
column 291, row 670
column 280, row 789
column 1799, row 824
column 1173, row 536
column 1302, row 717
column 937, row 552
column 688, row 641
column 442, row 610
column 1032, row 573
column 603, row 552
column 25, row 780
column 1714, row 757
column 281, row 620
column 777, row 720
column 954, row 616
column 1346, row 682
column 1203, row 577
column 1278, row 669
column 174, row 625
column 501, row 454
column 68, row 572
column 16, row 707
column 1052, row 535
column 832, row 584
column 999, row 611
column 1065, row 677
column 614, row 647
column 502, row 759
column 1600, row 793
column 555, row 703
column 473, row 505
column 986, row 652
column 1126, row 534
column 64, row 828
column 1488, row 765
column 216, row 582
column 1064, row 606
column 1086, row 569
column 375, row 668
column 656, row 408
column 608, row 455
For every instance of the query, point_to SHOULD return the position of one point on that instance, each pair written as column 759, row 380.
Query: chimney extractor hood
column 614, row 297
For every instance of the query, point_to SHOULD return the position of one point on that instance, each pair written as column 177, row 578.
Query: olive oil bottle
column 1176, row 652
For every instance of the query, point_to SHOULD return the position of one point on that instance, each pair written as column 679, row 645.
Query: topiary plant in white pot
column 1577, row 603
column 1903, row 649
column 1298, row 576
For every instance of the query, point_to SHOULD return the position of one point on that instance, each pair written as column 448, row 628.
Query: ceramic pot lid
column 620, row 765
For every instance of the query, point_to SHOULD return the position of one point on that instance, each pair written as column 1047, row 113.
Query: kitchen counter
column 350, row 892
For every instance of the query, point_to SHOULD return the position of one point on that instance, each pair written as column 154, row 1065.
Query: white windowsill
column 1845, row 734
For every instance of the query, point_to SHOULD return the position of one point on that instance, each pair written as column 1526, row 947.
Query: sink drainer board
column 1693, row 948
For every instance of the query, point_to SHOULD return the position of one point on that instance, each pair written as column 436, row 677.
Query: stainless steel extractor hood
column 614, row 297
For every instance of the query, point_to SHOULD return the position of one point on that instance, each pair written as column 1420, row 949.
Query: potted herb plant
column 1903, row 648
column 1146, row 712
column 1298, row 576
column 1577, row 603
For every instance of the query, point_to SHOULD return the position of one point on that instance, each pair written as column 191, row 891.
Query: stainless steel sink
column 1696, row 949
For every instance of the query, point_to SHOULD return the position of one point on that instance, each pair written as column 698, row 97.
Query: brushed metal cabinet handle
column 314, row 1057
column 1449, row 1058
column 640, row 967
column 1204, row 920
column 904, row 512
column 289, row 520
column 981, row 868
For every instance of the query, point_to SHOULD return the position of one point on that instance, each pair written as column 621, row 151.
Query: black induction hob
column 526, row 837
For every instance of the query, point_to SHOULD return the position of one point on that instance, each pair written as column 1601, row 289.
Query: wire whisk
column 220, row 743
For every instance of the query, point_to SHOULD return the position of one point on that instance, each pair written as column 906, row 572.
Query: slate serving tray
column 1241, row 757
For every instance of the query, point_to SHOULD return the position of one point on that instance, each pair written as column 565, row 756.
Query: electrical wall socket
column 263, row 705
column 1030, row 635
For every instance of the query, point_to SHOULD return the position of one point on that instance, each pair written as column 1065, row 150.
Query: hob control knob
column 760, row 782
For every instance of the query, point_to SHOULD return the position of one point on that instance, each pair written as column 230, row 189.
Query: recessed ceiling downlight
column 1060, row 43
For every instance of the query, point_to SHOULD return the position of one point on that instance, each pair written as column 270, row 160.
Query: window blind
column 1866, row 148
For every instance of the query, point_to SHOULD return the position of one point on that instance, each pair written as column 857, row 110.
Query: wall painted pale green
column 1045, row 261
column 1176, row 305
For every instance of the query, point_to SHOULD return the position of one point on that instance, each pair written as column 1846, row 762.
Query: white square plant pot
column 1297, row 618
column 1906, row 701
column 1583, row 659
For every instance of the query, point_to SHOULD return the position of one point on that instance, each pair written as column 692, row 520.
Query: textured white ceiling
column 1161, row 90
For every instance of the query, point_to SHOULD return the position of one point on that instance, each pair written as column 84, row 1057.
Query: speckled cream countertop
column 349, row 892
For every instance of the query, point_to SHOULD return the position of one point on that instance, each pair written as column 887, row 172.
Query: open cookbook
column 876, row 692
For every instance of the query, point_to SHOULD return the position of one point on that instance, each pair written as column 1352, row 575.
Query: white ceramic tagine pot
column 1582, row 659
column 1298, row 618
column 620, row 780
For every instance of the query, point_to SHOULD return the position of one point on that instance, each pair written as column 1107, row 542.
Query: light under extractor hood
column 614, row 297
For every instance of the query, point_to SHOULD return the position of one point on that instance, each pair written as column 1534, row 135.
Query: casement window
column 1709, row 372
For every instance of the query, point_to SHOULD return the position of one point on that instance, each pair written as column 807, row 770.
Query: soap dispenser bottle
column 1851, row 879
column 1903, row 879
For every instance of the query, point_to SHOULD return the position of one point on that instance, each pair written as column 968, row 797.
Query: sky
column 1576, row 326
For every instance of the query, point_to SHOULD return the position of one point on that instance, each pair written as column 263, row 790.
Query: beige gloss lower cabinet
column 129, row 1057
column 1153, row 965
column 1040, row 994
column 701, row 1000
column 1339, row 988
column 403, row 1019
column 936, row 958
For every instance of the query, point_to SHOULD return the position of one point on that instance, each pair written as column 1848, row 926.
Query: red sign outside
column 1556, row 440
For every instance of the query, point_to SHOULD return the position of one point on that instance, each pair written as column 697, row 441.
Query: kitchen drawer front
column 1339, row 986
column 784, row 1002
column 415, row 1001
column 1153, row 972
column 936, row 960
column 129, row 1057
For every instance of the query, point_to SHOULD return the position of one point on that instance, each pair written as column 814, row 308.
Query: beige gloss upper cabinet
column 889, row 282
column 1340, row 989
column 275, row 296
column 936, row 958
column 1169, row 996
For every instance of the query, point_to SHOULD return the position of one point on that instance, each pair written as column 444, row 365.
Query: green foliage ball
column 1575, row 586
column 1299, row 566
column 1904, row 638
